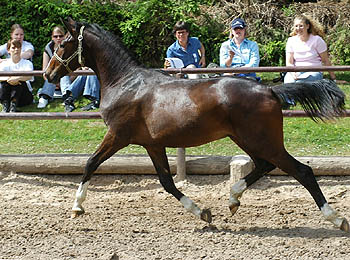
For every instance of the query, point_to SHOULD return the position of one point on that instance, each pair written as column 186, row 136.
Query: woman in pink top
column 306, row 47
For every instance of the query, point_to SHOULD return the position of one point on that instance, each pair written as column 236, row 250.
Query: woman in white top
column 306, row 47
column 17, row 33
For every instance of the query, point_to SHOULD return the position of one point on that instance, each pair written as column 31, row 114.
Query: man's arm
column 202, row 62
column 28, row 54
column 254, row 58
column 14, row 80
column 226, row 56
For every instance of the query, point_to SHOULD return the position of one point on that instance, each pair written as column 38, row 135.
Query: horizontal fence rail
column 50, row 115
column 97, row 115
column 39, row 73
column 257, row 69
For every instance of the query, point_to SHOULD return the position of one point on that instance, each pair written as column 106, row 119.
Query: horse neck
column 110, row 62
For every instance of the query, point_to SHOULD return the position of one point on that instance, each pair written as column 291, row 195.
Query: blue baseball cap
column 238, row 23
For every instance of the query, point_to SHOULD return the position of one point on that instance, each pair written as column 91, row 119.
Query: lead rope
column 80, row 47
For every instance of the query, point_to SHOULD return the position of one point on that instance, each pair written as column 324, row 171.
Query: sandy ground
column 132, row 217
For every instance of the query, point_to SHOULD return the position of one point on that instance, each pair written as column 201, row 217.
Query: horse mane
column 115, row 52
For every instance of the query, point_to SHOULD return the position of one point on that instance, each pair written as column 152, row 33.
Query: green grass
column 302, row 135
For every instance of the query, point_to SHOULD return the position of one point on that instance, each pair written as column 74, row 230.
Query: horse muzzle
column 51, row 77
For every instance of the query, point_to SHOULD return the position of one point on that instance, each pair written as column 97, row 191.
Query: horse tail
column 321, row 99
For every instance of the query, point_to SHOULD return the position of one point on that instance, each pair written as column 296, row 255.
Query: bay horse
column 150, row 108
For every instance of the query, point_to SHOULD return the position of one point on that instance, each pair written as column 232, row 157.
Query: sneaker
column 57, row 94
column 13, row 107
column 69, row 108
column 69, row 104
column 64, row 97
column 42, row 102
column 5, row 106
column 93, row 105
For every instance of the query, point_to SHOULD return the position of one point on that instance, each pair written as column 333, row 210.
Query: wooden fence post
column 181, row 154
column 181, row 164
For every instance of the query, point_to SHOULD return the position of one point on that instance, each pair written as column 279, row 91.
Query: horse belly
column 188, row 133
column 192, row 140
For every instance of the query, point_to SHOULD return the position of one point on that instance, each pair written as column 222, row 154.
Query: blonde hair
column 314, row 27
column 16, row 26
column 59, row 29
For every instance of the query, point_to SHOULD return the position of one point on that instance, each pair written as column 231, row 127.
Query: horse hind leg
column 305, row 176
column 261, row 168
column 161, row 164
column 109, row 146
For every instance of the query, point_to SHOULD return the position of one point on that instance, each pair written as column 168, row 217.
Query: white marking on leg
column 236, row 191
column 190, row 206
column 331, row 215
column 80, row 196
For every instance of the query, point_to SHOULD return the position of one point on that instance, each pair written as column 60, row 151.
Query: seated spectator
column 88, row 86
column 46, row 93
column 17, row 33
column 14, row 91
column 238, row 51
column 188, row 49
column 306, row 47
column 27, row 49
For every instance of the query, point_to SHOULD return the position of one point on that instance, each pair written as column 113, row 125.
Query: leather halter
column 78, row 52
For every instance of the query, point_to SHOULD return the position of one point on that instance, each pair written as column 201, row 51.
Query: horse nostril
column 46, row 76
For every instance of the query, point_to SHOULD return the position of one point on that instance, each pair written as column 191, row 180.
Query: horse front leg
column 109, row 146
column 161, row 164
column 261, row 168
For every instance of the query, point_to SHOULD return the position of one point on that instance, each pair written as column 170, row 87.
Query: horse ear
column 70, row 25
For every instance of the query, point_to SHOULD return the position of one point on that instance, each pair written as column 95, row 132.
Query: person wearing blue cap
column 238, row 51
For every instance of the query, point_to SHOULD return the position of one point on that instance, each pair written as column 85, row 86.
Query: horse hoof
column 76, row 214
column 206, row 215
column 345, row 226
column 234, row 208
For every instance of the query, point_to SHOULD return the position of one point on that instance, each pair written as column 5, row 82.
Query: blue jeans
column 86, row 86
column 303, row 76
column 49, row 88
column 250, row 75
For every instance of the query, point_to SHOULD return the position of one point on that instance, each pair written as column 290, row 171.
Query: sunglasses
column 181, row 32
column 57, row 36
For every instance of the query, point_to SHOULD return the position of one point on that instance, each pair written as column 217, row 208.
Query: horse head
column 68, row 56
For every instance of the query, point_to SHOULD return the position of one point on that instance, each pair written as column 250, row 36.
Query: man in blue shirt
column 189, row 49
column 238, row 51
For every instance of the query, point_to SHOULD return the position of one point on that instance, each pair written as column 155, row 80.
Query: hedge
column 145, row 26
